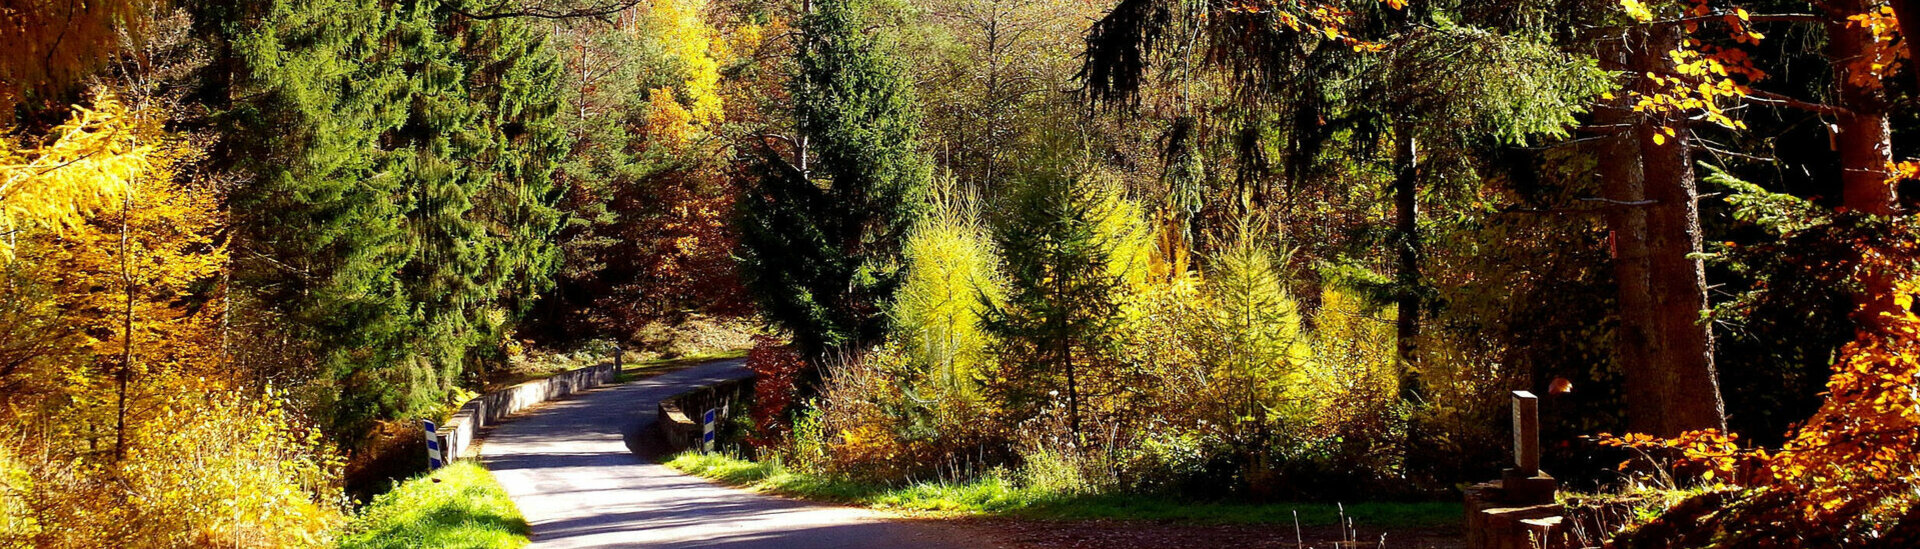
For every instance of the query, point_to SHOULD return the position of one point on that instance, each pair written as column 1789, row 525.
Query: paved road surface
column 569, row 467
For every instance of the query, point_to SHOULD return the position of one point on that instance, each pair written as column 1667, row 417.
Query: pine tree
column 821, row 228
column 1257, row 346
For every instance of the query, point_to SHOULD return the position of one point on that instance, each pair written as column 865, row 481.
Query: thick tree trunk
column 1407, row 274
column 1863, row 138
column 1682, row 350
column 1907, row 14
column 1864, row 141
column 1664, row 348
column 1625, row 191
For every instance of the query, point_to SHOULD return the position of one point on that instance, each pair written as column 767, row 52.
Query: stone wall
column 679, row 420
column 456, row 436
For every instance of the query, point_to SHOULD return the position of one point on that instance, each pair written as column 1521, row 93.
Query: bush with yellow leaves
column 209, row 469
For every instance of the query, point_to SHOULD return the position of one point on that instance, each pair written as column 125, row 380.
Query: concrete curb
column 456, row 437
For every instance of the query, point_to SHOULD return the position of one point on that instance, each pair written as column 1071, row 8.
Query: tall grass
column 1018, row 495
column 461, row 506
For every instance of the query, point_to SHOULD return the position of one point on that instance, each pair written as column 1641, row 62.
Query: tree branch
column 594, row 12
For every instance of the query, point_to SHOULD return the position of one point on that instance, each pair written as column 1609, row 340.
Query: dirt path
column 571, row 469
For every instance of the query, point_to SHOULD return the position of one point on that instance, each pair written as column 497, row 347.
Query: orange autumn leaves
column 1326, row 20
column 1708, row 80
column 1855, row 455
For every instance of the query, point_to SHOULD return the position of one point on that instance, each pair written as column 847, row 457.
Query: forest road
column 569, row 468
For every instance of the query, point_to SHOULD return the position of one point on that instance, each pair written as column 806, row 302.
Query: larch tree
column 1429, row 81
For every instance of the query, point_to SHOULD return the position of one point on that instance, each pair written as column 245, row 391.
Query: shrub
column 215, row 469
column 778, row 367
column 1845, row 477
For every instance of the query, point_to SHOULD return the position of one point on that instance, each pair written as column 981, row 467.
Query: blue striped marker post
column 433, row 447
column 706, row 431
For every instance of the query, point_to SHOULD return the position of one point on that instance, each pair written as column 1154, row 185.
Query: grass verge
column 654, row 367
column 999, row 496
column 459, row 506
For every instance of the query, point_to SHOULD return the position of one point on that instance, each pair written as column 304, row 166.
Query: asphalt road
column 570, row 467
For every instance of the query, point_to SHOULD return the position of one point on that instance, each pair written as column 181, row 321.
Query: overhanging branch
column 505, row 10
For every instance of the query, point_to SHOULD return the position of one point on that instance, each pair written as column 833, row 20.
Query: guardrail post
column 434, row 459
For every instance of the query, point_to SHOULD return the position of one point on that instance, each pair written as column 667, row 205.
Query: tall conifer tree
column 822, row 222
column 396, row 204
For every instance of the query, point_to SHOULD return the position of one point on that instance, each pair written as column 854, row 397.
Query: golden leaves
column 90, row 164
column 1637, row 10
column 699, row 49
column 668, row 123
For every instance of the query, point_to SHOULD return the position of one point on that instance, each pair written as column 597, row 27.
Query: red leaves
column 778, row 367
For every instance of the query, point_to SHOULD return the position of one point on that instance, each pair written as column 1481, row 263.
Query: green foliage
column 822, row 232
column 952, row 273
column 1016, row 494
column 1776, row 213
column 460, row 506
column 1071, row 245
column 1252, row 339
column 1462, row 80
column 397, row 217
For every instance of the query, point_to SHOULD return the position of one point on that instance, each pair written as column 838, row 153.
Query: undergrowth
column 1001, row 494
column 460, row 506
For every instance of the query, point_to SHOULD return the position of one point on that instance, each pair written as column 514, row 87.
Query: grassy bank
column 459, row 506
column 657, row 366
column 1003, row 497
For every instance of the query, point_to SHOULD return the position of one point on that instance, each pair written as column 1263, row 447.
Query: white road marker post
column 706, row 430
column 434, row 460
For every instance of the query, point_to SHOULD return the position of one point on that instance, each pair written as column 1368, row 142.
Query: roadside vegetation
column 1005, row 494
column 1212, row 253
column 459, row 506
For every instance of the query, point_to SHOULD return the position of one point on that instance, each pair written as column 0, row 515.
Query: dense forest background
column 1248, row 250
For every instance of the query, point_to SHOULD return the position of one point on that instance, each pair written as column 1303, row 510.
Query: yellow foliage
column 950, row 268
column 668, row 123
column 678, row 24
column 218, row 470
column 135, row 269
column 89, row 165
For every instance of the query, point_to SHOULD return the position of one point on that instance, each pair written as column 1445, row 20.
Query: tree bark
column 1407, row 274
column 1624, row 189
column 1664, row 347
column 1863, row 137
column 1682, row 351
column 1864, row 141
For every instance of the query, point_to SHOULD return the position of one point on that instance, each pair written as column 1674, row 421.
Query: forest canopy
column 1190, row 250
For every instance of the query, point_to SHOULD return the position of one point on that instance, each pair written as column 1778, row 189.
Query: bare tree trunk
column 126, row 338
column 1406, row 206
column 1863, row 139
column 1663, row 344
column 1865, row 143
column 1625, row 190
column 1683, row 347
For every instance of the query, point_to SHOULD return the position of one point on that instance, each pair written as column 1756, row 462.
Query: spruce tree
column 1055, row 329
column 821, row 230
column 396, row 205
